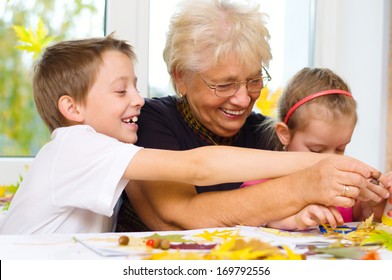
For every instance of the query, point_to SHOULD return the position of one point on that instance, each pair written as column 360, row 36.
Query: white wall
column 352, row 38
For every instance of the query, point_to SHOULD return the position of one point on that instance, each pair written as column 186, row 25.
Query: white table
column 105, row 246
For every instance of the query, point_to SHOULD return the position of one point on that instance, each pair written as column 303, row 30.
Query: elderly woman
column 215, row 52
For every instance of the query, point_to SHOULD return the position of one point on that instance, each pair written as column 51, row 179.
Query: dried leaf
column 342, row 252
column 170, row 237
column 218, row 234
column 372, row 255
column 379, row 237
column 366, row 223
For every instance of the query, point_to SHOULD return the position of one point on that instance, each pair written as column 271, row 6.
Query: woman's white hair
column 204, row 32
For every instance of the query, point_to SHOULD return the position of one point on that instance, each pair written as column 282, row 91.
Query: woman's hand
column 378, row 184
column 340, row 180
column 363, row 209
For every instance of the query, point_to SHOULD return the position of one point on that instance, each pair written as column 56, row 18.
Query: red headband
column 313, row 96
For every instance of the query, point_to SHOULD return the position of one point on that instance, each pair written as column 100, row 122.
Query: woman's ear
column 69, row 109
column 283, row 133
column 178, row 77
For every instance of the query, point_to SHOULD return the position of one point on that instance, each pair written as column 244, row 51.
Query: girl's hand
column 314, row 214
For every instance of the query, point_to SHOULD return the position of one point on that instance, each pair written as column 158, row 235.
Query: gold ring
column 346, row 191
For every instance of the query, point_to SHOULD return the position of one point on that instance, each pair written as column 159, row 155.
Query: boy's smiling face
column 113, row 102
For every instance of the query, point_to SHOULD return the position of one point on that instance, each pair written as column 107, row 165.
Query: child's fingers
column 336, row 214
column 329, row 215
column 306, row 222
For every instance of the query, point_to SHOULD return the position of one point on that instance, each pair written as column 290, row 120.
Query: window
column 22, row 132
column 303, row 33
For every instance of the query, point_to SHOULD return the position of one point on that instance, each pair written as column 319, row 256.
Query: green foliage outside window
column 26, row 27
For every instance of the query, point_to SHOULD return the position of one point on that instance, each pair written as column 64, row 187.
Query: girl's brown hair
column 306, row 82
column 310, row 81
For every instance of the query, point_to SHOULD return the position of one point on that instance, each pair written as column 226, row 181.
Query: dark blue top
column 161, row 126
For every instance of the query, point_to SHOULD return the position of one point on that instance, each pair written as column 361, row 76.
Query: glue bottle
column 386, row 218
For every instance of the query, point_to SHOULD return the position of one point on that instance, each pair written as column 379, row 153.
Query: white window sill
column 11, row 168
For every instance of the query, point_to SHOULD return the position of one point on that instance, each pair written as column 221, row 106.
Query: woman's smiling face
column 224, row 116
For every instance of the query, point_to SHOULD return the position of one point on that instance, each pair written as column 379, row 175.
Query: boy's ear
column 283, row 133
column 69, row 109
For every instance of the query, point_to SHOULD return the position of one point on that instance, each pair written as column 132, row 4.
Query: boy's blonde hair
column 70, row 68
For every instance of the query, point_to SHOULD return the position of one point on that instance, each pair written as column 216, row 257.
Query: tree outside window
column 22, row 132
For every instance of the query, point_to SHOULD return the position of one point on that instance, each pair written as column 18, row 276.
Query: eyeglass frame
column 238, row 84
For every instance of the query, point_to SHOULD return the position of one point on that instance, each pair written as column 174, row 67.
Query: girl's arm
column 311, row 215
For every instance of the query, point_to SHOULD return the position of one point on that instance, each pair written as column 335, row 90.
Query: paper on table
column 293, row 239
column 108, row 247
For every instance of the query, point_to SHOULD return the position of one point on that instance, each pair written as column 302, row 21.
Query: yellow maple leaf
column 267, row 102
column 33, row 42
column 221, row 234
column 238, row 249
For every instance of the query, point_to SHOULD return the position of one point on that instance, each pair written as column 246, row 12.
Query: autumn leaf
column 379, row 237
column 170, row 237
column 355, row 253
column 366, row 224
column 33, row 42
column 239, row 249
column 220, row 234
column 372, row 255
column 267, row 102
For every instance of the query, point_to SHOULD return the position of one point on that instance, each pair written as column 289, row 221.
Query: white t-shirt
column 72, row 185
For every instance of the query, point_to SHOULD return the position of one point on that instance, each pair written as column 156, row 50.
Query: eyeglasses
column 229, row 89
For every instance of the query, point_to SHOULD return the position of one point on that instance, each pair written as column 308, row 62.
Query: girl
column 316, row 113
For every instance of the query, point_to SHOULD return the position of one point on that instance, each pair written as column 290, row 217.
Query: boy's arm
column 213, row 165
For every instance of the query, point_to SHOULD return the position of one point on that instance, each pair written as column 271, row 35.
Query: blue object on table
column 338, row 229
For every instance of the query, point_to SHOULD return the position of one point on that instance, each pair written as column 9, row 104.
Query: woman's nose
column 241, row 97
